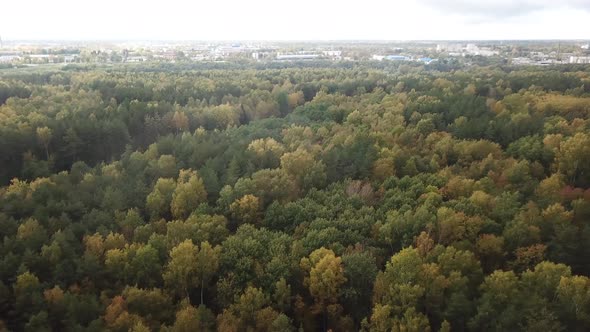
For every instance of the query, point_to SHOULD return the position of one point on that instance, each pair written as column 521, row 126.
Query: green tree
column 498, row 308
column 145, row 266
column 360, row 271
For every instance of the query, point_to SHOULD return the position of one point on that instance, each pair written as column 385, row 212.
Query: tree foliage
column 347, row 196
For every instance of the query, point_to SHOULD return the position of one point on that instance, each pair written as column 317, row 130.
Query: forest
column 304, row 196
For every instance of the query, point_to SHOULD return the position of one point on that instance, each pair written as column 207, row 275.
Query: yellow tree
column 159, row 200
column 574, row 294
column 263, row 146
column 189, row 193
column 301, row 165
column 181, row 271
column 574, row 159
column 295, row 99
column 246, row 209
column 180, row 121
column 189, row 319
column 325, row 277
column 207, row 264
column 117, row 318
column 44, row 135
column 190, row 266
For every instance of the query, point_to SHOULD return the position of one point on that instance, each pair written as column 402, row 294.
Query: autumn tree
column 181, row 272
column 324, row 279
column 44, row 135
column 302, row 166
column 159, row 200
column 190, row 266
column 189, row 318
column 180, row 121
column 207, row 264
column 188, row 194
column 246, row 209
column 574, row 159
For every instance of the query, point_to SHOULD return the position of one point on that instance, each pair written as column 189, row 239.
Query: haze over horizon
column 305, row 20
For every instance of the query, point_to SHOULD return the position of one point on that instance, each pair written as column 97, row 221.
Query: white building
column 297, row 56
column 40, row 56
column 580, row 59
column 476, row 50
column 333, row 54
column 70, row 58
column 487, row 52
column 136, row 59
column 9, row 58
column 522, row 61
column 454, row 48
column 472, row 48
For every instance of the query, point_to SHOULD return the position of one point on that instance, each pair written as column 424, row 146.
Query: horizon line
column 284, row 40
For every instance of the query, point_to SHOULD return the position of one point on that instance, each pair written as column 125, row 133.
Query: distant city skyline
column 302, row 20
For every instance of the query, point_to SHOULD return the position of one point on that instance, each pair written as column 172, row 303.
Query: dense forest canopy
column 367, row 196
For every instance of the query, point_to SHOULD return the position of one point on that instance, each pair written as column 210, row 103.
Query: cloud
column 305, row 19
column 488, row 10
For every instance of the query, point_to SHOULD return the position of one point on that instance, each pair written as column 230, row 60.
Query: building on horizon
column 397, row 58
column 580, row 59
column 297, row 56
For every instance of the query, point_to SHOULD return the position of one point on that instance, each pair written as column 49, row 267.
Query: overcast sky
column 294, row 20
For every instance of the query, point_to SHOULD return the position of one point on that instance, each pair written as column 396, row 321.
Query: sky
column 294, row 20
